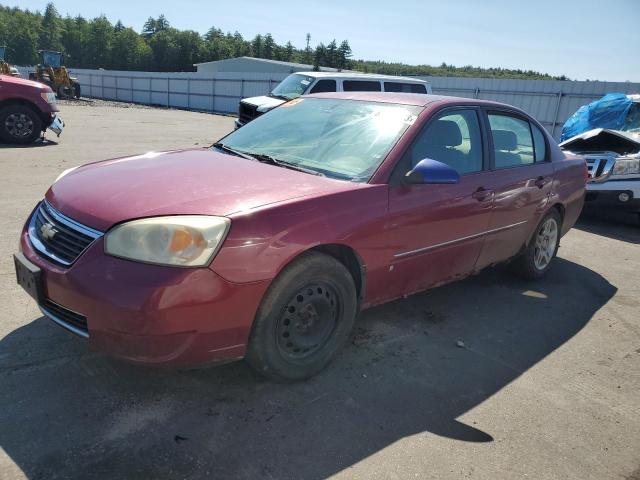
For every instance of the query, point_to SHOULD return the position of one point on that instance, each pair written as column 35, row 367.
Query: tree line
column 97, row 43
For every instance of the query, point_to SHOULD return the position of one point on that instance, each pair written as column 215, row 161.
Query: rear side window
column 539, row 144
column 512, row 141
column 404, row 87
column 361, row 86
column 324, row 86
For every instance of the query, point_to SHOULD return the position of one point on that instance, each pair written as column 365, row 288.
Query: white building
column 251, row 64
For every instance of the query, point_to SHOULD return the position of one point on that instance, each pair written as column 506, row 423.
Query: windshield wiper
column 262, row 157
column 233, row 151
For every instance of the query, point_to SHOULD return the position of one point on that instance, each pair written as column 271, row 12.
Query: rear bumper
column 619, row 195
column 150, row 314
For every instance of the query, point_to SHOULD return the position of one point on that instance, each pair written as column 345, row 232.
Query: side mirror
column 432, row 171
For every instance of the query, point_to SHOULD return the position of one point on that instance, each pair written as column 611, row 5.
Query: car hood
column 21, row 82
column 195, row 182
column 603, row 139
column 267, row 103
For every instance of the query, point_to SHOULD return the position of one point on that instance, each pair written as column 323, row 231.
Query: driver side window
column 453, row 138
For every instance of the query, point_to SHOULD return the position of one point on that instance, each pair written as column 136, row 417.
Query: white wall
column 219, row 92
column 551, row 102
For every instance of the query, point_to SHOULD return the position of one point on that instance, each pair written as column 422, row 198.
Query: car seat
column 439, row 144
column 504, row 143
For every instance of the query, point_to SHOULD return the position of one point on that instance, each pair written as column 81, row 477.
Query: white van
column 305, row 83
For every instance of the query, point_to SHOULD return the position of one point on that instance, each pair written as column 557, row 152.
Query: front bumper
column 147, row 313
column 609, row 196
column 56, row 125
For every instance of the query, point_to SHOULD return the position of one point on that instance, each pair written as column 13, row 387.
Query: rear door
column 436, row 231
column 520, row 177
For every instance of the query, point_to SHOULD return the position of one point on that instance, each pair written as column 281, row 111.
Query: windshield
column 632, row 121
column 343, row 139
column 292, row 87
column 51, row 59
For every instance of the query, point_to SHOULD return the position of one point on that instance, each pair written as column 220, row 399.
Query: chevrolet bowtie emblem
column 47, row 231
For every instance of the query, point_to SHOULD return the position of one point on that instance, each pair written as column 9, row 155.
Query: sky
column 583, row 39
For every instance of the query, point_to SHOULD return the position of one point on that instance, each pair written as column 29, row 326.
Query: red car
column 27, row 109
column 268, row 244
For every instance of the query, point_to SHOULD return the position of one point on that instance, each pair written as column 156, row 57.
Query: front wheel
column 305, row 317
column 535, row 259
column 19, row 124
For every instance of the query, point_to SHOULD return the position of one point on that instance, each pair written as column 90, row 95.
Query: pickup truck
column 613, row 160
column 27, row 110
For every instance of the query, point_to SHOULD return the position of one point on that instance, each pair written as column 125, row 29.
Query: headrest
column 444, row 133
column 504, row 140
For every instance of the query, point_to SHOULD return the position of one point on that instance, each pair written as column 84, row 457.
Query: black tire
column 19, row 124
column 527, row 265
column 62, row 92
column 304, row 319
column 76, row 90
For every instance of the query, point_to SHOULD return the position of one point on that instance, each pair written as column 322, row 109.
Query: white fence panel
column 549, row 101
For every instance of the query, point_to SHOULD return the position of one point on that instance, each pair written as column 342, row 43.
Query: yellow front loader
column 50, row 71
column 5, row 68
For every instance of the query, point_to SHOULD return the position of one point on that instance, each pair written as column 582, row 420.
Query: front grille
column 599, row 167
column 59, row 237
column 247, row 112
column 66, row 318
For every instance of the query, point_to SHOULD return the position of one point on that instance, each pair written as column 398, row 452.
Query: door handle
column 540, row 182
column 482, row 194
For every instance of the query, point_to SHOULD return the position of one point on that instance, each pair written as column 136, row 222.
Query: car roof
column 417, row 99
column 361, row 76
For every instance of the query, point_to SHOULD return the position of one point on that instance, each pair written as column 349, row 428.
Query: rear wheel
column 62, row 92
column 536, row 258
column 304, row 319
column 19, row 124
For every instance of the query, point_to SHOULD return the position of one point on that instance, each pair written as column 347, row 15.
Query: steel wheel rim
column 19, row 125
column 308, row 321
column 545, row 243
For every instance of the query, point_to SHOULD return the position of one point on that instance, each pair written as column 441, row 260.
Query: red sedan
column 268, row 244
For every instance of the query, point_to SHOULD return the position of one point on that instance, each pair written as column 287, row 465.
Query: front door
column 436, row 231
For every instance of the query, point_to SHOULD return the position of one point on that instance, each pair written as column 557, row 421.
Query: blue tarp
column 608, row 112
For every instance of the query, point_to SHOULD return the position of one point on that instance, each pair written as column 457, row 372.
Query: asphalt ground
column 491, row 377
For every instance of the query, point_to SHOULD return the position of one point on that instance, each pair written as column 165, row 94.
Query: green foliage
column 97, row 43
column 51, row 29
column 444, row 70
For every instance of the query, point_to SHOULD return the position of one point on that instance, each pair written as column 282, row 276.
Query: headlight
column 626, row 166
column 48, row 97
column 68, row 170
column 184, row 241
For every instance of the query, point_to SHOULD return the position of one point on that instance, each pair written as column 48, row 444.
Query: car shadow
column 412, row 367
column 38, row 143
column 625, row 228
